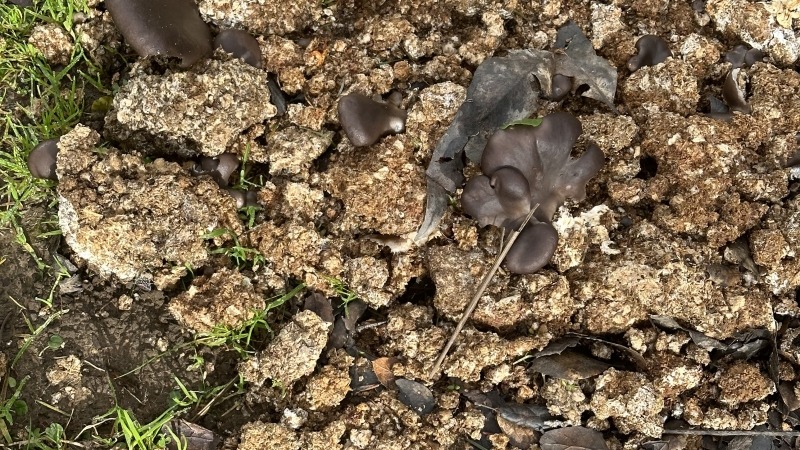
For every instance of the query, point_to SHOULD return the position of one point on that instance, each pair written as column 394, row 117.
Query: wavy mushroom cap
column 42, row 159
column 364, row 120
column 733, row 91
column 219, row 167
column 500, row 200
column 652, row 50
column 171, row 28
column 533, row 248
column 743, row 56
column 241, row 45
column 525, row 166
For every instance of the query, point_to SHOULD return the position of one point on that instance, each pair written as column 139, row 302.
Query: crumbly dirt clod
column 329, row 386
column 291, row 355
column 198, row 111
column 53, row 42
column 743, row 382
column 119, row 214
column 226, row 298
column 260, row 17
column 630, row 400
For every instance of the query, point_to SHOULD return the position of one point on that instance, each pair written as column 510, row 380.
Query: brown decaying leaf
column 572, row 438
column 383, row 370
column 569, row 365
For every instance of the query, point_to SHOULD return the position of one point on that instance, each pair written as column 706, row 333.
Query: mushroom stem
column 481, row 289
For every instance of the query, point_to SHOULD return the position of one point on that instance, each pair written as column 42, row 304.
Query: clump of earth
column 684, row 249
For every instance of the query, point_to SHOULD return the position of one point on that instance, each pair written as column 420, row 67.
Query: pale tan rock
column 52, row 42
column 226, row 298
column 631, row 401
column 201, row 110
column 291, row 355
column 135, row 220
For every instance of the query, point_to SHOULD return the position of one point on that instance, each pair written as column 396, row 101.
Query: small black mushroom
column 560, row 87
column 365, row 121
column 743, row 56
column 533, row 248
column 170, row 28
column 243, row 198
column 240, row 44
column 651, row 50
column 733, row 91
column 219, row 167
column 42, row 159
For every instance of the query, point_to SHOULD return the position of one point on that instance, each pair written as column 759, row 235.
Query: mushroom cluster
column 525, row 166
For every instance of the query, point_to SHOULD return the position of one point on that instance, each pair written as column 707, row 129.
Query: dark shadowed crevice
column 648, row 168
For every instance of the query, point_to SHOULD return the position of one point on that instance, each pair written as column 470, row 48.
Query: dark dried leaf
column 558, row 346
column 656, row 445
column 579, row 61
column 637, row 358
column 362, row 377
column 416, row 396
column 535, row 417
column 789, row 398
column 668, row 323
column 569, row 365
column 751, row 443
column 352, row 312
column 503, row 89
column 319, row 305
column 192, row 436
column 383, row 371
column 572, row 438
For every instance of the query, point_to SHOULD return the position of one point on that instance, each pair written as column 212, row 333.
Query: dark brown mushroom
column 364, row 120
column 219, row 167
column 560, row 87
column 171, row 28
column 651, row 50
column 241, row 45
column 244, row 198
column 525, row 166
column 500, row 200
column 533, row 248
column 42, row 159
column 743, row 56
column 733, row 91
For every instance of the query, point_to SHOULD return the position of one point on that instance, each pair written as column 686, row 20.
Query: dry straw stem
column 481, row 289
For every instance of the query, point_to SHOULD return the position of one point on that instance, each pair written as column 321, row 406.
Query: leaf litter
column 505, row 89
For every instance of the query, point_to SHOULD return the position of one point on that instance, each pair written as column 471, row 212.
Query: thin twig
column 481, row 289
column 733, row 433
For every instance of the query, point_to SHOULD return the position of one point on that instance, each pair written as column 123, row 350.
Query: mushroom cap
column 533, row 248
column 364, row 120
column 743, row 56
column 240, row 44
column 220, row 167
column 500, row 200
column 733, row 92
column 560, row 87
column 525, row 166
column 541, row 154
column 162, row 27
column 42, row 159
column 651, row 49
